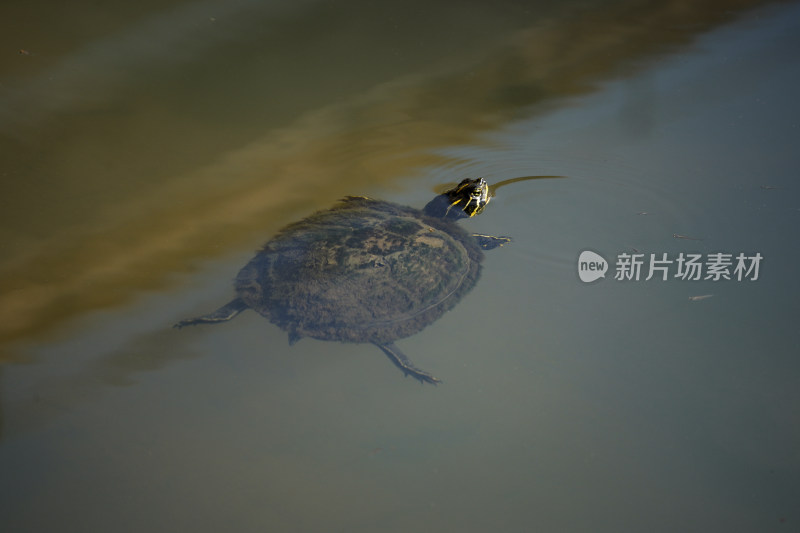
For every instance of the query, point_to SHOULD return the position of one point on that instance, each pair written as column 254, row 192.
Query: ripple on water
column 606, row 202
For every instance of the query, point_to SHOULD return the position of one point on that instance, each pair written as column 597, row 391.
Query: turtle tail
column 223, row 314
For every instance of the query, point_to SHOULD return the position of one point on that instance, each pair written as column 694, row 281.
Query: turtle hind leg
column 490, row 242
column 223, row 314
column 404, row 363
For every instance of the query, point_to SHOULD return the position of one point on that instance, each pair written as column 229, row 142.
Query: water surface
column 149, row 150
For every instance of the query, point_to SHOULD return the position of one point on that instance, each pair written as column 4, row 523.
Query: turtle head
column 465, row 200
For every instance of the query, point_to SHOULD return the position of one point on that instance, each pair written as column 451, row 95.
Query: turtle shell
column 362, row 271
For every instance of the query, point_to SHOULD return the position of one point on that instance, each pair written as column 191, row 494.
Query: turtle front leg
column 223, row 314
column 404, row 363
column 489, row 242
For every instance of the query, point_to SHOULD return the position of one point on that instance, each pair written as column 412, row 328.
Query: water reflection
column 175, row 181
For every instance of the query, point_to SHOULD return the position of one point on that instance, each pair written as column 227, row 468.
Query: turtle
column 366, row 271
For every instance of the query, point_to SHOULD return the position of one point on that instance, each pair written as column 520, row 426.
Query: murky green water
column 148, row 150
